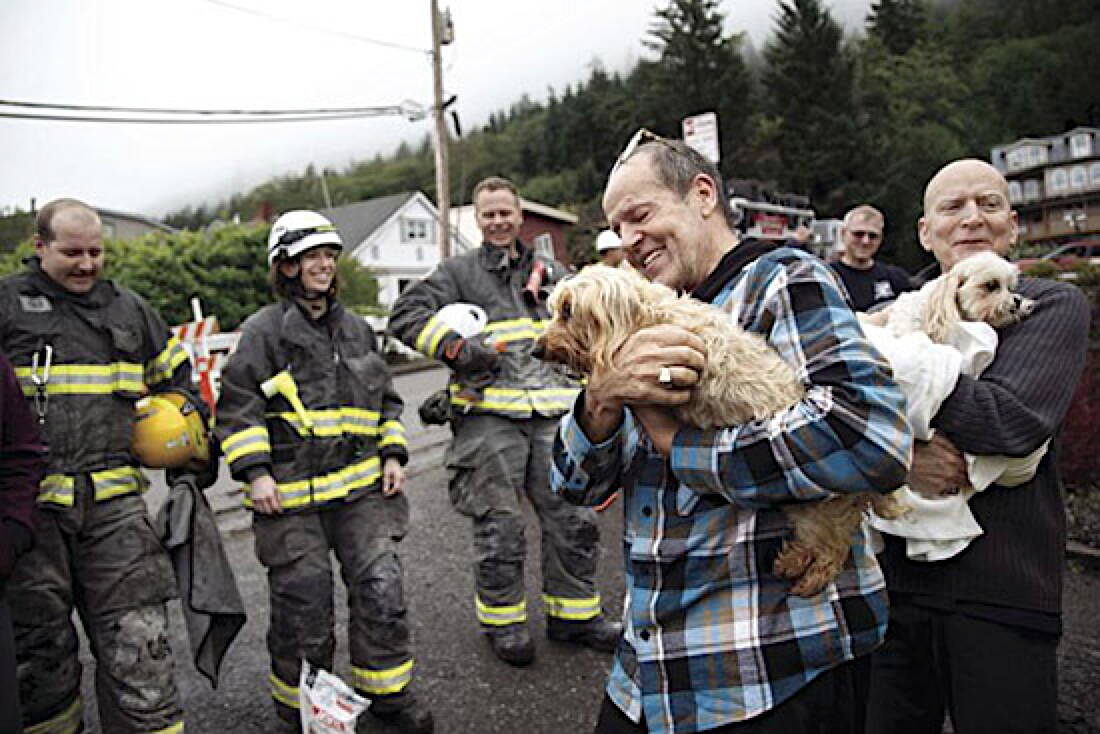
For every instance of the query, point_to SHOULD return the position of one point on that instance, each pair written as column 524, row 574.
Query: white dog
column 744, row 379
column 978, row 288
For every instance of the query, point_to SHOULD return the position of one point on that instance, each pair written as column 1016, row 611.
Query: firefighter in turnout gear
column 505, row 406
column 308, row 417
column 85, row 350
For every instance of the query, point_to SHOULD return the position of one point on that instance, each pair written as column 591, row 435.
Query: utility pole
column 440, row 37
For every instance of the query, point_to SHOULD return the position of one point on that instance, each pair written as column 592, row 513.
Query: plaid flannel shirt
column 711, row 635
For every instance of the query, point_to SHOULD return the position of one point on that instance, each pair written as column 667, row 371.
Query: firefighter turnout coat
column 345, row 387
column 83, row 360
column 524, row 386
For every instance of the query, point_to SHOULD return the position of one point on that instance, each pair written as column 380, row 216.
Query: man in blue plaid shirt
column 713, row 640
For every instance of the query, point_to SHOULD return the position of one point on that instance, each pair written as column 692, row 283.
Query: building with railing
column 1054, row 185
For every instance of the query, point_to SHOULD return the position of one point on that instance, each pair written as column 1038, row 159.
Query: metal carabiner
column 41, row 379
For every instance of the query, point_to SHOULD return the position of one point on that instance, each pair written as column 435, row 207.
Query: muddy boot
column 597, row 633
column 512, row 643
column 404, row 711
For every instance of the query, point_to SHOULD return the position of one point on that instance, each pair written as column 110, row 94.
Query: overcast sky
column 204, row 54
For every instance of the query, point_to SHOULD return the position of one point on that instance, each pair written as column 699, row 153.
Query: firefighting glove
column 471, row 357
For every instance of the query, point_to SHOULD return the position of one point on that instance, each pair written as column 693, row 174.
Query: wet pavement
column 469, row 690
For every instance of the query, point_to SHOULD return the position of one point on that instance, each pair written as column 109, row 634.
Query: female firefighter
column 309, row 419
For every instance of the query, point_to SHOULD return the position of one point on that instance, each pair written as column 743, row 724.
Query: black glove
column 471, row 357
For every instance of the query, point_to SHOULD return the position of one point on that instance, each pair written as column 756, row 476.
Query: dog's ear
column 941, row 312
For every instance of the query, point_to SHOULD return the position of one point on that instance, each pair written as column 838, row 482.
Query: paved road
column 470, row 691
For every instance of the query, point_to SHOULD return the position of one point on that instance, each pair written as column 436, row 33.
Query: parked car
column 1067, row 256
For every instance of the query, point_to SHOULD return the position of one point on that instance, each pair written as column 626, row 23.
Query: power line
column 320, row 29
column 209, row 121
column 169, row 111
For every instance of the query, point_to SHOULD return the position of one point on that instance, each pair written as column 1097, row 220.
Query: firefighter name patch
column 35, row 304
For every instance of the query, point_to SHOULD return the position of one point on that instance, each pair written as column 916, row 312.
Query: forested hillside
column 842, row 118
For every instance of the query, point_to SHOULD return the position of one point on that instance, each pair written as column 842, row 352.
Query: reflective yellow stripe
column 249, row 441
column 336, row 485
column 68, row 721
column 514, row 330
column 334, row 422
column 501, row 616
column 117, row 482
column 509, row 400
column 431, row 336
column 86, row 379
column 173, row 729
column 393, row 434
column 283, row 693
column 573, row 609
column 381, row 682
column 162, row 366
column 58, row 489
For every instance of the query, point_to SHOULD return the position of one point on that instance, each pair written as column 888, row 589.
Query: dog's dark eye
column 566, row 311
column 993, row 286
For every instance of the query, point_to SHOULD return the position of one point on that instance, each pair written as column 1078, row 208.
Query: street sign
column 701, row 133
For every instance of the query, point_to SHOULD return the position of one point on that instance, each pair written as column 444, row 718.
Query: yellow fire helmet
column 170, row 433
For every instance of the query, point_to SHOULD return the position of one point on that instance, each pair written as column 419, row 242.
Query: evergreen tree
column 808, row 85
column 699, row 69
column 899, row 24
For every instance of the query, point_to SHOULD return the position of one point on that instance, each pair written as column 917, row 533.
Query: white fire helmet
column 297, row 231
column 607, row 240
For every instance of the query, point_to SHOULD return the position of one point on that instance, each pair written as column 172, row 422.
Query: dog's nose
column 539, row 351
column 1022, row 306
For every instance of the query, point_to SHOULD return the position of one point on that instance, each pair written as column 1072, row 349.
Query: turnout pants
column 493, row 462
column 991, row 678
column 295, row 547
column 104, row 559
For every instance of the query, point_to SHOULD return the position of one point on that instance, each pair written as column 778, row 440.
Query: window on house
column 1015, row 192
column 1016, row 159
column 1078, row 177
column 544, row 244
column 420, row 254
column 1037, row 155
column 108, row 230
column 416, row 230
column 1094, row 174
column 375, row 252
column 1058, row 181
column 1031, row 190
column 1080, row 145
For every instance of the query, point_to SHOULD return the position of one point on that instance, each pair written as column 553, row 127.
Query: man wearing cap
column 610, row 248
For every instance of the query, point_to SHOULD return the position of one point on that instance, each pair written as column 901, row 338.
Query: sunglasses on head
column 641, row 137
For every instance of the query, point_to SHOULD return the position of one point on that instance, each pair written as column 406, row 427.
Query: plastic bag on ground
column 327, row 704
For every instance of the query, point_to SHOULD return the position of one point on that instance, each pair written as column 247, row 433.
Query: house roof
column 547, row 211
column 356, row 222
column 151, row 223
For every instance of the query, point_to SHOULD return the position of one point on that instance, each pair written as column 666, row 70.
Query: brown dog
column 596, row 311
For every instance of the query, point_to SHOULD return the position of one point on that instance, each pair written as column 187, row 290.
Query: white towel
column 936, row 529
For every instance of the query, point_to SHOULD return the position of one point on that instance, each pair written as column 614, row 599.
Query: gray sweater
column 1016, row 405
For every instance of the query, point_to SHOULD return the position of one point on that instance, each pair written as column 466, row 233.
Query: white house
column 396, row 236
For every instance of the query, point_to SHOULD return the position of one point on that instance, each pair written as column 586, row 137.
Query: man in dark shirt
column 976, row 635
column 869, row 283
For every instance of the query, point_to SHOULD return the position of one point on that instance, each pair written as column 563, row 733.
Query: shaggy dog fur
column 978, row 288
column 597, row 310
